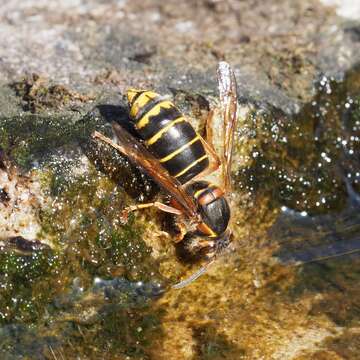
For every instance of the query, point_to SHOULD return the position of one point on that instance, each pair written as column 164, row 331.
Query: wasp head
column 197, row 246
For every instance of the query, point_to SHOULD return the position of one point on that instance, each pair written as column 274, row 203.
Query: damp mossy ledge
column 24, row 283
column 250, row 303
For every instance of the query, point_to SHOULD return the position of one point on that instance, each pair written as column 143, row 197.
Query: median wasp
column 177, row 158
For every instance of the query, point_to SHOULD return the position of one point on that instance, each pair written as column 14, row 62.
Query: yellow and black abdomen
column 167, row 135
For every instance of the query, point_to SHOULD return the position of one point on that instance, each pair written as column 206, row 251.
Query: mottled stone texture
column 277, row 49
column 77, row 283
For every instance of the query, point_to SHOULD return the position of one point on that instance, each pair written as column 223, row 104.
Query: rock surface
column 95, row 47
column 64, row 66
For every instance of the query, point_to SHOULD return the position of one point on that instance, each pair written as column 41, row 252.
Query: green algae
column 93, row 202
column 29, row 138
column 300, row 161
column 89, row 245
column 38, row 289
column 24, row 285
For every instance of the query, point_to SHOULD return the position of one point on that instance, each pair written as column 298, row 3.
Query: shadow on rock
column 109, row 161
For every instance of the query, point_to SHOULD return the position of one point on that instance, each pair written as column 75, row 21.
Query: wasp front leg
column 166, row 208
column 181, row 228
column 181, row 231
column 196, row 246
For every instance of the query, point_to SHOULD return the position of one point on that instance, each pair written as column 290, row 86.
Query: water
column 102, row 289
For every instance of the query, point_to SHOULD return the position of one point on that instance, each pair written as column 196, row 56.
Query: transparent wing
column 228, row 99
column 140, row 156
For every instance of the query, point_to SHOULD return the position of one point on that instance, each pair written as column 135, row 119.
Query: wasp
column 178, row 158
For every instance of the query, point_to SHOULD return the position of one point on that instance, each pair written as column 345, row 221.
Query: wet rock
column 139, row 290
column 22, row 245
column 71, row 189
column 4, row 196
column 110, row 161
column 27, row 343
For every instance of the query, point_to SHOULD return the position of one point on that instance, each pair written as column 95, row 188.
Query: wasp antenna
column 193, row 277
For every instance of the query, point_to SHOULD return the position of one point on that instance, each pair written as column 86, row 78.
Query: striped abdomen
column 167, row 135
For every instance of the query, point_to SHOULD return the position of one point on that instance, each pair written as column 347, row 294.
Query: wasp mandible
column 177, row 158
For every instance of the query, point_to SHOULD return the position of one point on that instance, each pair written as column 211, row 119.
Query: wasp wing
column 228, row 99
column 140, row 156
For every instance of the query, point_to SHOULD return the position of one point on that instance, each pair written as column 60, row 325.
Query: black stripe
column 147, row 107
column 177, row 136
column 159, row 121
column 185, row 158
column 195, row 170
column 191, row 189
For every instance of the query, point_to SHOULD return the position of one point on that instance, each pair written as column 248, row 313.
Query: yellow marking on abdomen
column 131, row 93
column 199, row 192
column 158, row 135
column 205, row 229
column 182, row 172
column 153, row 112
column 179, row 150
column 141, row 101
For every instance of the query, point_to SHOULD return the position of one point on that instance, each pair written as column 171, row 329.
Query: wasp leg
column 198, row 246
column 104, row 138
column 166, row 208
column 182, row 229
